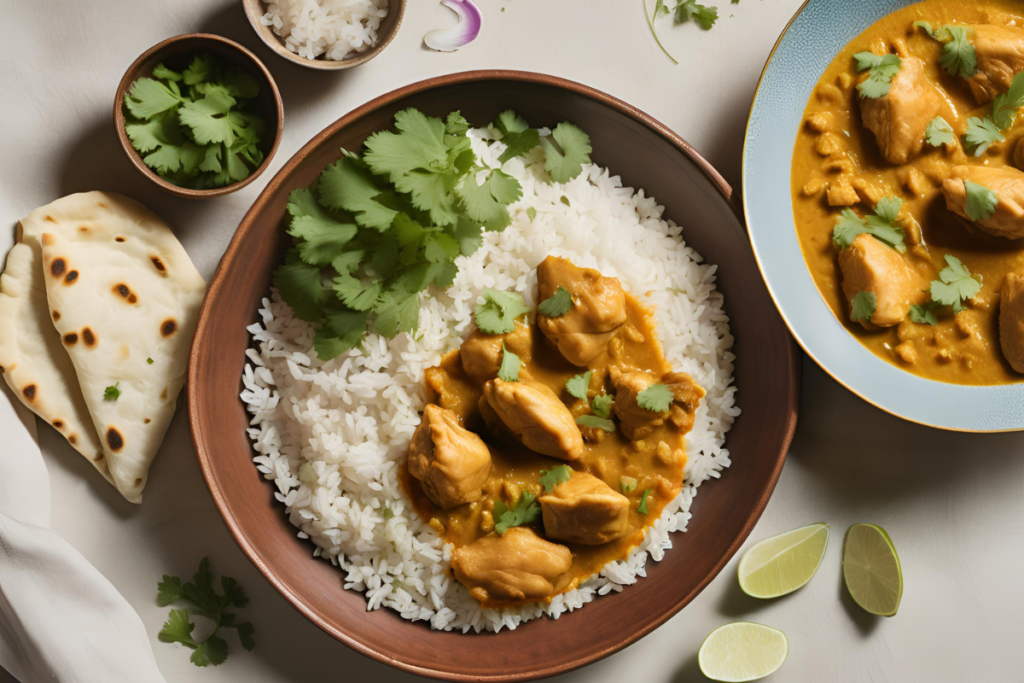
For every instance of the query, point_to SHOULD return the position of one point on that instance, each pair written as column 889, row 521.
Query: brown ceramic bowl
column 176, row 53
column 647, row 155
column 255, row 9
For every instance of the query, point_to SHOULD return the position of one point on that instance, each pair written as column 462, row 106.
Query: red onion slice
column 452, row 38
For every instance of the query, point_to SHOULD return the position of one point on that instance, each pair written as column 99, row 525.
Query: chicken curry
column 551, row 441
column 908, row 194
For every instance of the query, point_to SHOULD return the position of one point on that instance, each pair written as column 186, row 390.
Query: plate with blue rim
column 819, row 31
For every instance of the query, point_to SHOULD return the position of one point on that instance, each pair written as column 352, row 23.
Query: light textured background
column 954, row 504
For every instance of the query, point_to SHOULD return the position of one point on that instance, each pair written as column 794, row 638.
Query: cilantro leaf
column 642, row 508
column 863, row 306
column 982, row 134
column 1007, row 104
column 579, row 385
column 348, row 185
column 456, row 124
column 487, row 202
column 881, row 71
column 565, row 161
column 246, row 630
column 549, row 479
column 300, row 286
column 518, row 144
column 687, row 10
column 595, row 422
column 468, row 234
column 955, row 285
column 356, row 294
column 958, row 57
column 655, row 398
column 923, row 315
column 207, row 116
column 213, row 650
column 526, row 511
column 499, row 311
column 343, row 330
column 880, row 225
column 981, row 201
column 200, row 69
column 419, row 144
column 162, row 73
column 178, row 629
column 602, row 405
column 162, row 129
column 939, row 133
column 147, row 98
column 169, row 590
column 112, row 393
column 396, row 312
column 557, row 305
column 509, row 370
column 320, row 237
column 439, row 247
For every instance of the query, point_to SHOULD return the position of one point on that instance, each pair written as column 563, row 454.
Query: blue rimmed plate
column 820, row 29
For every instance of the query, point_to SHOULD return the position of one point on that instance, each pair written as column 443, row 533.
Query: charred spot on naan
column 125, row 293
column 29, row 392
column 119, row 239
column 168, row 327
column 72, row 439
column 158, row 264
column 56, row 315
column 57, row 265
column 114, row 439
column 58, row 424
column 71, row 338
column 88, row 337
column 71, row 277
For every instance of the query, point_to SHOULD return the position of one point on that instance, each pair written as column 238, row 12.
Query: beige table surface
column 954, row 504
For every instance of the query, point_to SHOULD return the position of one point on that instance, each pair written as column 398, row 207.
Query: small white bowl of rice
column 326, row 34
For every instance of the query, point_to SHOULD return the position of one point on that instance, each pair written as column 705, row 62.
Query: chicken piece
column 687, row 396
column 536, row 416
column 450, row 462
column 899, row 119
column 598, row 309
column 842, row 194
column 585, row 510
column 1011, row 320
column 1006, row 181
column 869, row 265
column 636, row 422
column 518, row 565
column 1000, row 53
column 481, row 352
column 453, row 390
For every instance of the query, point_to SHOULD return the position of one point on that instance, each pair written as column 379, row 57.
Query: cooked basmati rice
column 335, row 29
column 332, row 435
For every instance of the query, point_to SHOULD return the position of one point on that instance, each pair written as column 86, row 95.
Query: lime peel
column 742, row 651
column 782, row 564
column 871, row 570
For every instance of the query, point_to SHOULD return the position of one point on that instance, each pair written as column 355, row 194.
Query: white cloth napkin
column 60, row 619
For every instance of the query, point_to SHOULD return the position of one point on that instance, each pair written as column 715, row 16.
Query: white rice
column 332, row 436
column 335, row 29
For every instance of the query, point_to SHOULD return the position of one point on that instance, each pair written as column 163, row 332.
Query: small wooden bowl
column 175, row 53
column 255, row 9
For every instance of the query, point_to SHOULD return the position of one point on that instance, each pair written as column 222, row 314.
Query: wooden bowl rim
column 275, row 43
column 136, row 159
column 217, row 284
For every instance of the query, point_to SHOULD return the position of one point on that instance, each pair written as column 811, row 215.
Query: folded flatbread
column 124, row 297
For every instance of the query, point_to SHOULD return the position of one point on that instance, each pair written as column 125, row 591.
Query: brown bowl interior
column 254, row 9
column 646, row 155
column 176, row 53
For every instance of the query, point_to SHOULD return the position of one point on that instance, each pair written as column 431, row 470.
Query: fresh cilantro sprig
column 939, row 133
column 596, row 422
column 549, row 479
column 958, row 56
column 526, row 511
column 200, row 597
column 556, row 305
column 195, row 128
column 924, row 314
column 983, row 133
column 863, row 306
column 579, row 385
column 981, row 201
column 683, row 12
column 881, row 225
column 881, row 70
column 510, row 362
column 656, row 398
column 516, row 135
column 566, row 151
column 955, row 285
column 499, row 311
column 602, row 405
column 642, row 508
column 113, row 392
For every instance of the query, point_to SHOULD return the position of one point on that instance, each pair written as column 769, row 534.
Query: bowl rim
column 216, row 284
column 275, row 43
column 893, row 374
column 136, row 159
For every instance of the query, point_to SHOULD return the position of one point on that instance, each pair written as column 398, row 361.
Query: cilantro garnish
column 982, row 134
column 958, row 56
column 602, row 405
column 596, row 422
column 149, row 361
column 549, row 479
column 578, row 385
column 565, row 161
column 509, row 370
column 526, row 511
column 689, row 10
column 557, row 305
column 655, row 398
column 112, row 393
column 863, row 306
column 1007, row 104
column 387, row 512
column 939, row 133
column 531, row 212
column 642, row 508
column 955, row 285
column 201, row 598
column 194, row 128
column 881, row 225
column 498, row 313
column 516, row 135
column 923, row 315
column 881, row 71
column 981, row 201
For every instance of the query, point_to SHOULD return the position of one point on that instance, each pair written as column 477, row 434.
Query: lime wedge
column 871, row 569
column 742, row 651
column 783, row 563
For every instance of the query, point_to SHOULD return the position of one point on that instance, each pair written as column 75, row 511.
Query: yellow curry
column 549, row 446
column 907, row 193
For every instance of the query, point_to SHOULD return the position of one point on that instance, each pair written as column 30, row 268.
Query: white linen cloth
column 60, row 619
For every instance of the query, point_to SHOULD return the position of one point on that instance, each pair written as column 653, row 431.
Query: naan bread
column 34, row 362
column 126, row 298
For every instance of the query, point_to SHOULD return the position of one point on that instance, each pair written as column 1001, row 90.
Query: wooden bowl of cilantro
column 199, row 115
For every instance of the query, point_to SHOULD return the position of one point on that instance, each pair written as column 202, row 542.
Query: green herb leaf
column 981, row 134
column 510, row 122
column 955, row 285
column 881, row 71
column 509, row 370
column 939, row 133
column 602, row 405
column 923, row 315
column 556, row 305
column 387, row 513
column 689, row 10
column 1007, row 104
column 566, row 161
column 642, row 508
column 178, row 629
column 300, row 286
column 531, row 212
column 656, row 398
column 397, row 312
column 981, row 201
column 863, row 306
column 320, row 237
column 147, row 98
column 549, row 479
column 213, row 650
column 488, row 202
column 595, row 422
column 112, row 393
column 207, row 117
column 348, row 185
column 499, row 311
column 579, row 385
column 881, row 225
column 526, row 511
column 149, row 361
